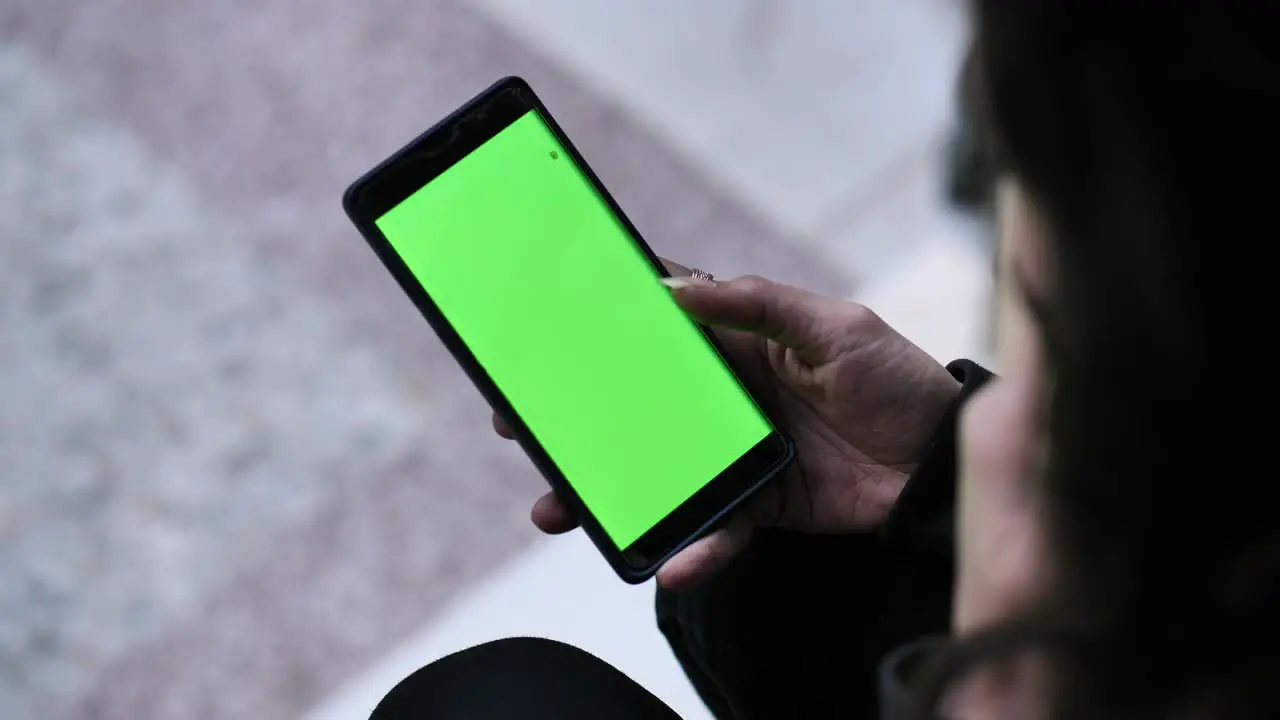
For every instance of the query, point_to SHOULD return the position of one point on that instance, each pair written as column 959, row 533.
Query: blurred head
column 1137, row 142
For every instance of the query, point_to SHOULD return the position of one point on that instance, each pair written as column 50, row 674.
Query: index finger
column 675, row 269
column 501, row 427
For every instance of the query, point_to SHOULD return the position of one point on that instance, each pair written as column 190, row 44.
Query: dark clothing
column 524, row 678
column 797, row 627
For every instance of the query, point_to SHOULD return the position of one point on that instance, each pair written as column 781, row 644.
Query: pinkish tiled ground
column 236, row 464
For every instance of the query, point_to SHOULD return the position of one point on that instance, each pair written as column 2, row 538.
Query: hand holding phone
column 498, row 231
column 860, row 400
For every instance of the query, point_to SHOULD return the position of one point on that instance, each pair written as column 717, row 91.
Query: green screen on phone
column 564, row 311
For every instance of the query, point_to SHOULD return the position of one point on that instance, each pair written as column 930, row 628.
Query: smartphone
column 535, row 280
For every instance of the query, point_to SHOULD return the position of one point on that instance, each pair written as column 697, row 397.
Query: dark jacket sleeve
column 924, row 519
column 799, row 624
column 924, row 516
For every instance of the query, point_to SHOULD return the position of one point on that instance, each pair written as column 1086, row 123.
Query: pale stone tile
column 795, row 107
column 878, row 228
column 169, row 404
column 937, row 297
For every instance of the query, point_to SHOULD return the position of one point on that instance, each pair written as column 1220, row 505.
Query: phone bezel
column 421, row 161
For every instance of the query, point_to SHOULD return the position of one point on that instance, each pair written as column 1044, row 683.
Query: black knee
column 520, row 677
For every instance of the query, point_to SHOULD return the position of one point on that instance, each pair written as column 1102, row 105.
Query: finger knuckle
column 859, row 315
column 751, row 284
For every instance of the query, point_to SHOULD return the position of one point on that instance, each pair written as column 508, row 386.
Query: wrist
column 881, row 494
column 938, row 418
column 923, row 511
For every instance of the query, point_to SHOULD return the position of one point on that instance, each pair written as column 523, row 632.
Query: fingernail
column 679, row 283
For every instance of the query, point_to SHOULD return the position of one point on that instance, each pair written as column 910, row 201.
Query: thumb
column 706, row 556
column 782, row 313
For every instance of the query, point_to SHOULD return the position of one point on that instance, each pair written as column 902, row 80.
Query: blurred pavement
column 239, row 478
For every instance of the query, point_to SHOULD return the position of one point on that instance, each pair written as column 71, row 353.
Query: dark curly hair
column 1148, row 136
